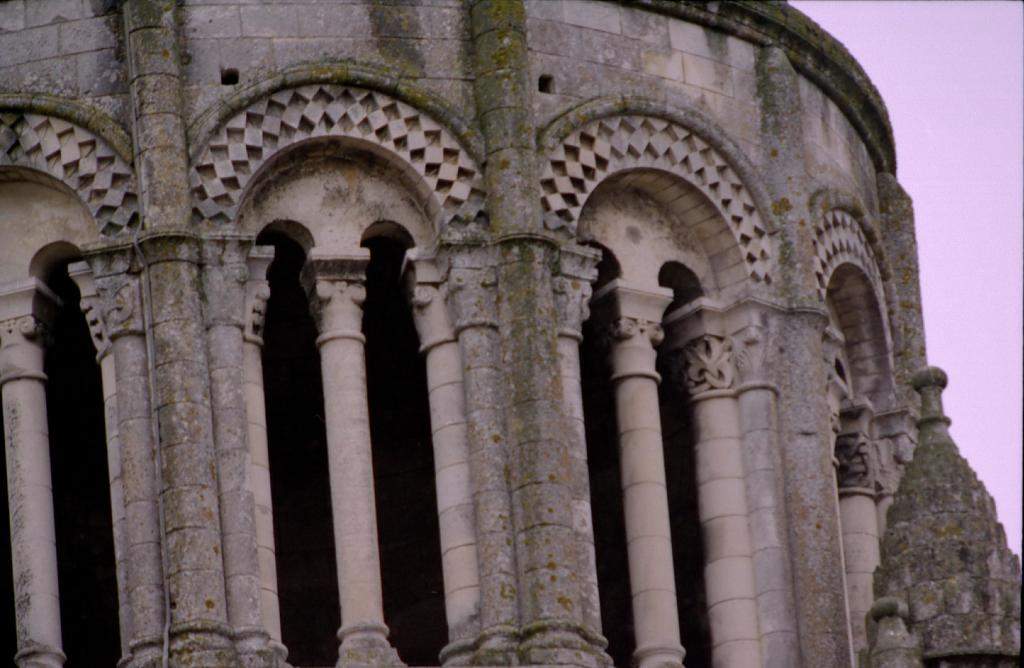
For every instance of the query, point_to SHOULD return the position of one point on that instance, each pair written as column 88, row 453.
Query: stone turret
column 945, row 554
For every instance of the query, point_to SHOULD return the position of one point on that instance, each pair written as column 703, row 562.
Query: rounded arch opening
column 682, row 281
column 854, row 306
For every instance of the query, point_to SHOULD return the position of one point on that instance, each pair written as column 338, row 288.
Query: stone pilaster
column 814, row 539
column 336, row 289
column 550, row 597
column 893, row 646
column 26, row 309
column 224, row 277
column 199, row 633
column 427, row 291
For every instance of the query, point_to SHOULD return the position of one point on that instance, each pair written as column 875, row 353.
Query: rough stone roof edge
column 814, row 53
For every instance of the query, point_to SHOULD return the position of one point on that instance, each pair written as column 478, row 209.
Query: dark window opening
column 683, row 282
column 229, row 76
column 300, row 486
column 606, row 482
column 81, row 487
column 687, row 539
column 546, row 83
column 403, row 460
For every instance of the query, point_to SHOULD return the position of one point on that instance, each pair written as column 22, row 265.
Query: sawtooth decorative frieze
column 614, row 144
column 243, row 144
column 78, row 158
column 838, row 238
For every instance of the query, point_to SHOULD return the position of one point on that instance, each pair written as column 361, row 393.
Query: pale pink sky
column 950, row 73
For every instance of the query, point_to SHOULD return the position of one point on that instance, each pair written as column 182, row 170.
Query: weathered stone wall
column 735, row 139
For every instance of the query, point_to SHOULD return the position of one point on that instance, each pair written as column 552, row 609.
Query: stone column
column 721, row 497
column 762, row 462
column 814, row 540
column 856, row 478
column 120, row 301
column 224, row 281
column 336, row 289
column 92, row 309
column 199, row 634
column 26, row 309
column 472, row 289
column 894, row 646
column 446, row 390
column 636, row 316
column 578, row 265
column 257, row 292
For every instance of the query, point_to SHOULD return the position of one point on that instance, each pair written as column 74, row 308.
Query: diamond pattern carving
column 80, row 159
column 246, row 141
column 609, row 145
column 838, row 238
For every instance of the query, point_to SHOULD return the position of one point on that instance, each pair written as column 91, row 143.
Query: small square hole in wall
column 228, row 76
column 546, row 83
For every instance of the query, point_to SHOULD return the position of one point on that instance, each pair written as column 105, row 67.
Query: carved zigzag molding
column 609, row 145
column 78, row 158
column 251, row 137
column 838, row 238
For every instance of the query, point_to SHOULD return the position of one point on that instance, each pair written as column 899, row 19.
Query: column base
column 659, row 656
column 202, row 645
column 560, row 643
column 458, row 653
column 366, row 645
column 255, row 649
column 497, row 646
column 39, row 656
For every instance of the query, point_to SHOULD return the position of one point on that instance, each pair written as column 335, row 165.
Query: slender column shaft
column 30, row 493
column 471, row 299
column 636, row 331
column 257, row 293
column 338, row 307
column 859, row 520
column 446, row 391
column 762, row 463
column 721, row 497
column 224, row 278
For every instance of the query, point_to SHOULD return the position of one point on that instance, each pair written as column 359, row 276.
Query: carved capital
column 858, row 462
column 750, row 350
column 636, row 329
column 120, row 304
column 25, row 328
column 335, row 285
column 27, row 308
column 472, row 297
column 225, row 275
column 257, row 292
column 572, row 299
column 430, row 314
column 707, row 364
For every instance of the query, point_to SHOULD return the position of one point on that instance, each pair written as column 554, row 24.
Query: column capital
column 573, row 287
column 336, row 288
column 92, row 307
column 225, row 274
column 427, row 291
column 257, row 292
column 706, row 364
column 472, row 293
column 27, row 309
column 633, row 310
column 856, row 452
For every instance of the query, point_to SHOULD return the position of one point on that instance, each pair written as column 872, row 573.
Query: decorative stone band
column 431, row 155
column 614, row 144
column 79, row 159
column 838, row 239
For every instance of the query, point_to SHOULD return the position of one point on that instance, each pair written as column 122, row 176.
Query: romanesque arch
column 612, row 144
column 78, row 158
column 445, row 172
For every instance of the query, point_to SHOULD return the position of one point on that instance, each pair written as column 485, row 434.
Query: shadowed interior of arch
column 81, row 485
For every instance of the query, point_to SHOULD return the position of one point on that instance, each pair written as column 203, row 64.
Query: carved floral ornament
column 707, row 364
column 78, row 158
column 244, row 143
column 609, row 145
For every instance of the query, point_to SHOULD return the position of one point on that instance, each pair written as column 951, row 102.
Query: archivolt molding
column 839, row 238
column 247, row 140
column 78, row 158
column 612, row 144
